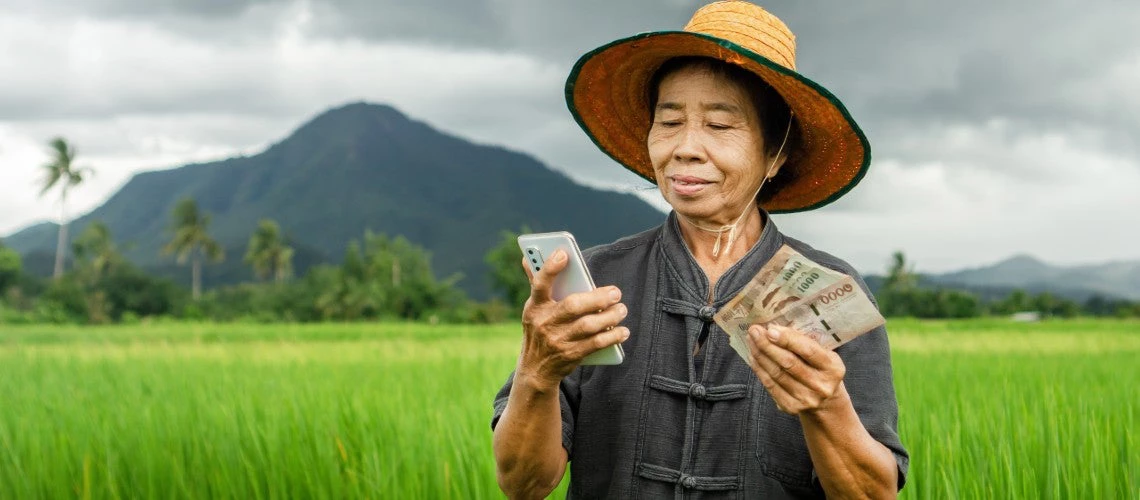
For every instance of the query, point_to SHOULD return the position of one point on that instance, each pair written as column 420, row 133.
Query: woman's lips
column 686, row 185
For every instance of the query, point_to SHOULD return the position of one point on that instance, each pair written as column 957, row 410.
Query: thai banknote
column 784, row 281
column 794, row 291
column 833, row 316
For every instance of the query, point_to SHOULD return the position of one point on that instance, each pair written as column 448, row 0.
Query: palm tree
column 62, row 172
column 96, row 249
column 268, row 253
column 901, row 275
column 192, row 241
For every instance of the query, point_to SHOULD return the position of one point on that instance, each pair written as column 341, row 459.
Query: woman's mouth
column 686, row 185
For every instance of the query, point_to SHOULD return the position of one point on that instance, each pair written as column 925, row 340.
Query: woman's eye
column 670, row 123
column 719, row 126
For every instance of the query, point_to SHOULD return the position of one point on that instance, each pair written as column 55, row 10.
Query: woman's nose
column 689, row 147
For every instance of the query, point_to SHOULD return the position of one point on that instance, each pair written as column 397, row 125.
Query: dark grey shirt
column 660, row 424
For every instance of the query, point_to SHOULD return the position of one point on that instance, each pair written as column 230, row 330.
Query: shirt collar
column 692, row 278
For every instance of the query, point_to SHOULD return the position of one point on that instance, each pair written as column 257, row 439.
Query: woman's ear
column 781, row 156
column 774, row 164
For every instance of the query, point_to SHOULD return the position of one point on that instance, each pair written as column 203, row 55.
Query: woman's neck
column 702, row 239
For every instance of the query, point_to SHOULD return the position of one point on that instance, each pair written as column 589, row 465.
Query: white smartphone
column 538, row 247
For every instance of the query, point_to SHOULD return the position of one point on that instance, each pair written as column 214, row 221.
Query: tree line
column 380, row 277
column 901, row 296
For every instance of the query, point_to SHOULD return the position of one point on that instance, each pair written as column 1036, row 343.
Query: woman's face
column 706, row 146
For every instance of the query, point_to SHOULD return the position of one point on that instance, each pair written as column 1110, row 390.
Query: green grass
column 989, row 409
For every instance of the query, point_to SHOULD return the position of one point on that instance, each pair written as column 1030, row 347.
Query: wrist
column 838, row 405
column 535, row 383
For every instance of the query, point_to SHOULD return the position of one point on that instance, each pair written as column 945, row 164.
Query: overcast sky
column 998, row 128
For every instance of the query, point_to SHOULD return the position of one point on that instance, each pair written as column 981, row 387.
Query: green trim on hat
column 819, row 89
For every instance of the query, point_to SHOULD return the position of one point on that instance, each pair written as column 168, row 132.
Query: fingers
column 807, row 384
column 602, row 340
column 540, row 282
column 783, row 398
column 805, row 347
column 775, row 365
column 580, row 304
column 591, row 324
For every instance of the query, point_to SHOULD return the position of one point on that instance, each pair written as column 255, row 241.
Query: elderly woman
column 717, row 117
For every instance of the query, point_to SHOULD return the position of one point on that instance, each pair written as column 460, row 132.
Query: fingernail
column 559, row 255
column 625, row 334
column 773, row 334
column 622, row 310
column 615, row 295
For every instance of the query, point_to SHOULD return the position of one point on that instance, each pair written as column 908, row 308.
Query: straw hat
column 607, row 94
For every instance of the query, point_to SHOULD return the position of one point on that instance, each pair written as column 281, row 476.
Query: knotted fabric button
column 689, row 482
column 697, row 391
column 706, row 313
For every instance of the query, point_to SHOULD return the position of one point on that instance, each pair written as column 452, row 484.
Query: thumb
column 544, row 278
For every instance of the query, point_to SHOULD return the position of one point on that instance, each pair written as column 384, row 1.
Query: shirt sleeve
column 568, row 397
column 870, row 383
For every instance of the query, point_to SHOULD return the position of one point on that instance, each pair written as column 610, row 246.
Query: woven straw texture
column 606, row 92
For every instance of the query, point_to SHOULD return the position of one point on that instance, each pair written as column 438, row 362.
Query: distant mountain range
column 353, row 168
column 1111, row 280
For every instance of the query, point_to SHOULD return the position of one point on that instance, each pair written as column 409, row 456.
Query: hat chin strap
column 731, row 228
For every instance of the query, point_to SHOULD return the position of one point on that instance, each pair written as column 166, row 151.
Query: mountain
column 1113, row 279
column 354, row 168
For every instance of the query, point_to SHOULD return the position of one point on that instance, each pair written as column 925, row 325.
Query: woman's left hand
column 800, row 375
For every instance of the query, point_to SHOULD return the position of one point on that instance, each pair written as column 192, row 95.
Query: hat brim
column 606, row 93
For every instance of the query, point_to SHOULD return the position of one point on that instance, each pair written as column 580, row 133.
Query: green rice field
column 989, row 409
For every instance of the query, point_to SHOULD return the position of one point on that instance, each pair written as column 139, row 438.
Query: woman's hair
column 771, row 108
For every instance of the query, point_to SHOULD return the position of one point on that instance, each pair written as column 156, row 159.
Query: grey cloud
column 246, row 97
column 469, row 24
column 897, row 65
column 888, row 60
column 220, row 23
column 1041, row 65
column 543, row 27
column 556, row 30
column 220, row 131
column 140, row 9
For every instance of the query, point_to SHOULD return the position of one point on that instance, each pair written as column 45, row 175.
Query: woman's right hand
column 558, row 334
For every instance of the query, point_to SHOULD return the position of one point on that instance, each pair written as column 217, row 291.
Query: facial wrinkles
column 700, row 150
column 715, row 133
column 705, row 126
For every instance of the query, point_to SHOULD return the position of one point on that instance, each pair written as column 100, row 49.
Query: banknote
column 794, row 291
column 784, row 281
column 834, row 316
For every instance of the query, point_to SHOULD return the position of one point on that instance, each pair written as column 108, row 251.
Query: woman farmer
column 717, row 117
